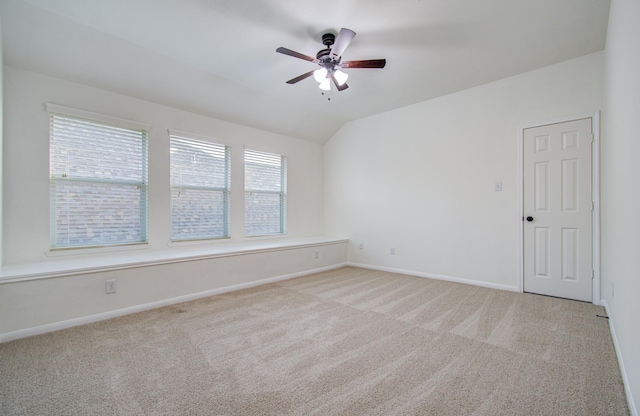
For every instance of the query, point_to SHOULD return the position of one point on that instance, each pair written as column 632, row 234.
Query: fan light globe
column 320, row 74
column 341, row 77
column 325, row 85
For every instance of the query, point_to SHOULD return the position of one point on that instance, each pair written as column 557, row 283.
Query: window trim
column 283, row 192
column 226, row 192
column 111, row 121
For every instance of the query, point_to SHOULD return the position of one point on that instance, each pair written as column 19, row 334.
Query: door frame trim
column 595, row 195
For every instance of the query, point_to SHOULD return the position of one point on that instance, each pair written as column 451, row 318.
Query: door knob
column 529, row 218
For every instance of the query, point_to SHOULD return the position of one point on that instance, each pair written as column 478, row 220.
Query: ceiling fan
column 330, row 61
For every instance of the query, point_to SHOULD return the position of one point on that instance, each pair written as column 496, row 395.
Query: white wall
column 420, row 179
column 620, row 189
column 34, row 306
column 69, row 297
column 26, row 193
column 1, row 137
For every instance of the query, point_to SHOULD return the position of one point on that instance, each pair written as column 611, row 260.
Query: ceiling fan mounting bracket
column 328, row 39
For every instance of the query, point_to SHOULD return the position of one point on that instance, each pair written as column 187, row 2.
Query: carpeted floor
column 345, row 342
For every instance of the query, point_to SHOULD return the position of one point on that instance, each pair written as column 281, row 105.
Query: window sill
column 264, row 236
column 82, row 251
column 94, row 264
column 200, row 242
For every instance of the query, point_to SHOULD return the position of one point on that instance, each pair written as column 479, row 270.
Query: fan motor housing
column 323, row 54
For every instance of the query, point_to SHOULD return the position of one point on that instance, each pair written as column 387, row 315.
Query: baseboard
column 56, row 326
column 625, row 381
column 438, row 277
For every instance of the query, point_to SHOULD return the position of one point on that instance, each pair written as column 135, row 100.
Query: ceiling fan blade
column 371, row 63
column 342, row 41
column 296, row 54
column 335, row 81
column 301, row 77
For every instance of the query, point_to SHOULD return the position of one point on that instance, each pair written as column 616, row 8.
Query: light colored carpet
column 345, row 342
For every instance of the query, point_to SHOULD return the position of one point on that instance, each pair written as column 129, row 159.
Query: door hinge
column 593, row 274
column 591, row 138
column 593, row 206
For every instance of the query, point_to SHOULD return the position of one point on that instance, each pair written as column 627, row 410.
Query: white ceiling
column 217, row 57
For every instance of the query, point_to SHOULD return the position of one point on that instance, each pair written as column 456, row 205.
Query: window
column 98, row 182
column 265, row 193
column 200, row 186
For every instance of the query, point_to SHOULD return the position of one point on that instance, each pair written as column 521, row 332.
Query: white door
column 558, row 210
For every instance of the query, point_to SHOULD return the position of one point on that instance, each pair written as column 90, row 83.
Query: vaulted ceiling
column 217, row 57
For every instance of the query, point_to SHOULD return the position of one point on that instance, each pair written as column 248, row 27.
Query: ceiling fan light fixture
column 320, row 74
column 325, row 85
column 341, row 77
column 330, row 61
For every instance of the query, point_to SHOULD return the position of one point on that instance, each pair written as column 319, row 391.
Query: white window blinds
column 265, row 197
column 98, row 183
column 200, row 187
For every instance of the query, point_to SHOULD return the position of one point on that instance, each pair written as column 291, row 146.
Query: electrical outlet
column 392, row 251
column 110, row 286
column 361, row 246
column 316, row 255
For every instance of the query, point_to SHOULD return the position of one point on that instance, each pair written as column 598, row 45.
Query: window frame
column 55, row 110
column 282, row 193
column 226, row 191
